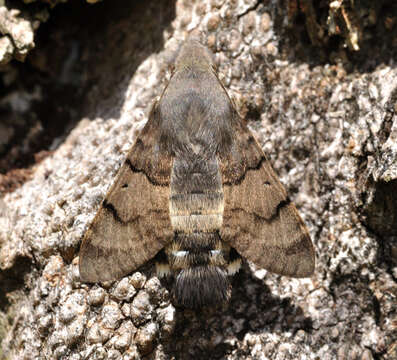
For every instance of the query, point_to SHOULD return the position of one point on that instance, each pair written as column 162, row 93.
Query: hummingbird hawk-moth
column 196, row 191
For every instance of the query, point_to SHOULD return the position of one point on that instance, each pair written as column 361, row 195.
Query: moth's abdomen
column 197, row 249
column 196, row 196
column 197, row 257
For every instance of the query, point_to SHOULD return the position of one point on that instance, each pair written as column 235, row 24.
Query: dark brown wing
column 133, row 222
column 259, row 220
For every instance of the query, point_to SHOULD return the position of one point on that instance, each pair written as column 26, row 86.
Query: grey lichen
column 18, row 36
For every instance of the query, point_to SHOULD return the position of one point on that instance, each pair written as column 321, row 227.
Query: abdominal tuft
column 201, row 286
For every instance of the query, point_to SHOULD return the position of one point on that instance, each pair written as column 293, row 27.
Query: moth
column 197, row 192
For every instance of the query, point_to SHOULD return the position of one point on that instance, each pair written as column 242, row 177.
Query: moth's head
column 194, row 56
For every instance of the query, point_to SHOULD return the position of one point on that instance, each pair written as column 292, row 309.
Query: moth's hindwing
column 259, row 220
column 133, row 222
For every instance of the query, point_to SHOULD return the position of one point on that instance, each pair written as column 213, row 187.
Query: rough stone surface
column 328, row 125
column 18, row 34
column 19, row 24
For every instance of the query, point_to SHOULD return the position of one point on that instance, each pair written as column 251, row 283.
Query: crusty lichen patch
column 18, row 35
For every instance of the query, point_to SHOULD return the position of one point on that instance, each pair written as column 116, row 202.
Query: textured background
column 318, row 85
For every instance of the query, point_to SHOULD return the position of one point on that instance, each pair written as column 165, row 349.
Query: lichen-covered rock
column 19, row 35
column 19, row 24
column 6, row 50
column 328, row 127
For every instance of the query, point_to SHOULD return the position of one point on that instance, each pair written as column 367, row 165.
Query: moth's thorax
column 194, row 110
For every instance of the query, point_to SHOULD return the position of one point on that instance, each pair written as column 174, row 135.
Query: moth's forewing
column 133, row 222
column 259, row 220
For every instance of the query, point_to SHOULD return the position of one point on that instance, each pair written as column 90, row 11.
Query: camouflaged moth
column 196, row 191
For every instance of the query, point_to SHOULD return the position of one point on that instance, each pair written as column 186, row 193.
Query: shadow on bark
column 84, row 59
column 252, row 310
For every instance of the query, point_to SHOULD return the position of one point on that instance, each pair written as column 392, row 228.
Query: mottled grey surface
column 19, row 24
column 16, row 33
column 330, row 131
